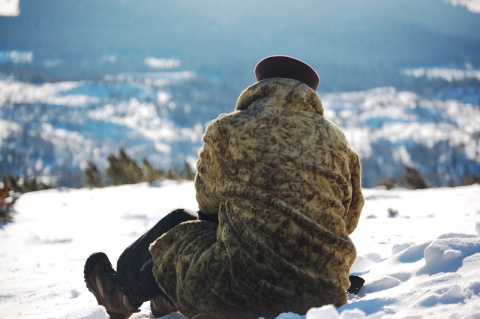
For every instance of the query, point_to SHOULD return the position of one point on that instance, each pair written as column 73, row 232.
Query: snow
column 471, row 5
column 418, row 251
column 15, row 57
column 447, row 74
column 167, row 111
column 161, row 63
column 56, row 94
column 9, row 8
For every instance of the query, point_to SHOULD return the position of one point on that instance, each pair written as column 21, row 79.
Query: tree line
column 123, row 169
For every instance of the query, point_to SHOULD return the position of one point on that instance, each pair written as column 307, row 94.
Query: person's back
column 286, row 187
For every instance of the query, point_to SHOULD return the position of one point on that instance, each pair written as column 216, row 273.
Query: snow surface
column 421, row 263
column 471, row 5
column 9, row 8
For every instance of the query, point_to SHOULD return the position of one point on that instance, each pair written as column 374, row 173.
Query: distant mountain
column 391, row 128
column 354, row 44
column 51, row 130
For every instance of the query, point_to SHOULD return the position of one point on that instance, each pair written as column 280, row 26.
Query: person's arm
column 356, row 204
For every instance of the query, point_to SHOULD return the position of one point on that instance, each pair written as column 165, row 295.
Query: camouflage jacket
column 286, row 186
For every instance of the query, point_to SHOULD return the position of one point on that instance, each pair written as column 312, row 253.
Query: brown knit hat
column 282, row 66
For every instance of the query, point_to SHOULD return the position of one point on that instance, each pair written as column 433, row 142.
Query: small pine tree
column 388, row 183
column 123, row 169
column 31, row 185
column 25, row 185
column 150, row 174
column 114, row 170
column 187, row 172
column 172, row 173
column 6, row 205
column 93, row 177
column 13, row 182
column 412, row 178
column 470, row 180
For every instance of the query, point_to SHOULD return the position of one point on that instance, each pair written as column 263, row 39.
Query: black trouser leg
column 134, row 267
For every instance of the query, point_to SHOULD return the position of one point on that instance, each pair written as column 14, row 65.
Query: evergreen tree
column 150, row 174
column 13, row 183
column 412, row 178
column 123, row 169
column 32, row 185
column 470, row 180
column 93, row 177
column 187, row 172
column 18, row 185
column 388, row 183
column 172, row 173
column 5, row 205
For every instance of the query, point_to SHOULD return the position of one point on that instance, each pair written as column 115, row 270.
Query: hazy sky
column 11, row 7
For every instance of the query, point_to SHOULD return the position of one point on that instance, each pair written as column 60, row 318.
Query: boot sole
column 87, row 271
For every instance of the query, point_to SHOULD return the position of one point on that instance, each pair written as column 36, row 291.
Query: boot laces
column 113, row 280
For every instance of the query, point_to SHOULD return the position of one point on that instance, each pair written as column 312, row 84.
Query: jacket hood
column 280, row 92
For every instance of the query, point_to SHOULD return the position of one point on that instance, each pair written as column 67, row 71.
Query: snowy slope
column 422, row 263
column 390, row 128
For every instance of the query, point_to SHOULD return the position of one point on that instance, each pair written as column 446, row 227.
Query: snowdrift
column 418, row 251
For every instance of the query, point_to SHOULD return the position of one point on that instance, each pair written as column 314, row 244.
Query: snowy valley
column 51, row 130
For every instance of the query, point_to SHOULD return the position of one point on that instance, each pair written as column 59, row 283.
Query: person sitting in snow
column 279, row 191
